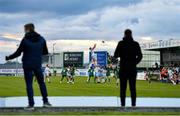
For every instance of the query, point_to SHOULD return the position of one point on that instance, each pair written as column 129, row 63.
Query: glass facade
column 149, row 59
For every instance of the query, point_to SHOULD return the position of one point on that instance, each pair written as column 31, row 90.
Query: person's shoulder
column 23, row 39
column 136, row 43
column 41, row 37
column 120, row 42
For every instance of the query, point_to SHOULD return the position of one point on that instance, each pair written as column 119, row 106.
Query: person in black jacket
column 130, row 55
column 33, row 46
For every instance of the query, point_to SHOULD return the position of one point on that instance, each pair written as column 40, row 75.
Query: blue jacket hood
column 32, row 36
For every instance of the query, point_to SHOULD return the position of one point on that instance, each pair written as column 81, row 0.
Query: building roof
column 162, row 44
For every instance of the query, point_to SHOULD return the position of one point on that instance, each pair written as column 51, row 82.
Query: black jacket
column 129, row 52
column 33, row 46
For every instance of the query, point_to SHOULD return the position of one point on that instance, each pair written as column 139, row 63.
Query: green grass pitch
column 15, row 86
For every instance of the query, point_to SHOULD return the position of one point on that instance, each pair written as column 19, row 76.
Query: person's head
column 47, row 65
column 128, row 33
column 29, row 27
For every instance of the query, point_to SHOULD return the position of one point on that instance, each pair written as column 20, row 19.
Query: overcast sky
column 85, row 20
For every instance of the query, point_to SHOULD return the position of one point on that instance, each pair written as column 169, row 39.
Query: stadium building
column 169, row 52
column 59, row 60
column 53, row 59
column 64, row 59
column 165, row 53
column 149, row 59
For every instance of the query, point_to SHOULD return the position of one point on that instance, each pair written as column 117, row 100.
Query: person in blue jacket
column 33, row 46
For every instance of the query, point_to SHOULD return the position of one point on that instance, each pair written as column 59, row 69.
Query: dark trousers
column 124, row 77
column 64, row 76
column 28, row 74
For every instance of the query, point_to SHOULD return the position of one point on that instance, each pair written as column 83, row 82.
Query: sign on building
column 73, row 59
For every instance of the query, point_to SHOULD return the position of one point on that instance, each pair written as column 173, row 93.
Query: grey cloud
column 155, row 18
column 61, row 7
column 7, row 39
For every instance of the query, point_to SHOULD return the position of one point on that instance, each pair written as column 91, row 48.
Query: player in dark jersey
column 90, row 74
column 64, row 74
column 72, row 70
column 108, row 73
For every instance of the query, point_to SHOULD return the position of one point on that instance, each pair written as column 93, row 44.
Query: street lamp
column 17, row 62
column 53, row 56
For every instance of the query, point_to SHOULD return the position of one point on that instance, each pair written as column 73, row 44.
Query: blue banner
column 100, row 57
